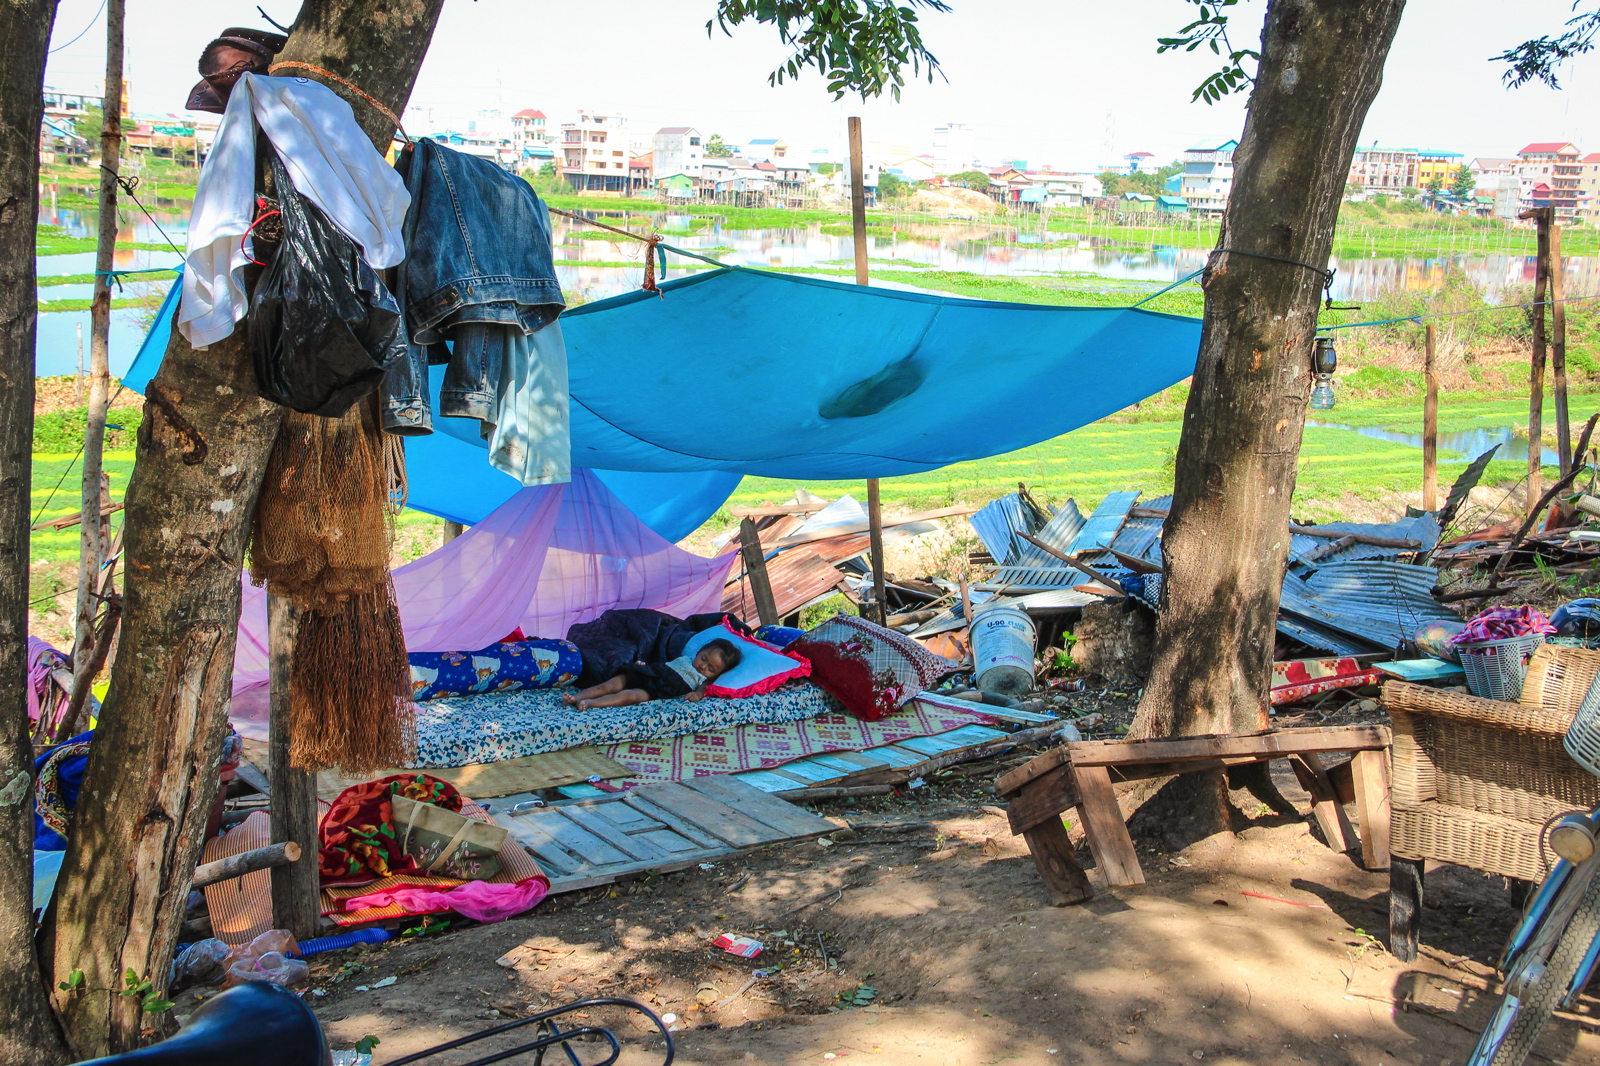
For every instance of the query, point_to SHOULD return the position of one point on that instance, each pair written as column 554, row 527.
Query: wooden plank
column 755, row 568
column 1371, row 774
column 254, row 778
column 1343, row 781
column 832, row 761
column 678, row 803
column 1284, row 742
column 550, row 828
column 1103, row 825
column 1058, row 866
column 767, row 781
column 640, row 800
column 1012, row 780
column 785, row 818
column 812, row 773
column 893, row 756
column 858, row 760
column 1325, row 804
column 634, row 843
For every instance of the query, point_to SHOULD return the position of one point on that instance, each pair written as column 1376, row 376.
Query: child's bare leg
column 604, row 688
column 620, row 698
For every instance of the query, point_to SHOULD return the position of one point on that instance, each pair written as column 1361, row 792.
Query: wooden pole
column 452, row 530
column 1430, row 425
column 296, row 888
column 880, row 604
column 91, row 547
column 755, row 567
column 858, row 200
column 1541, row 283
column 1558, row 350
column 878, row 610
column 273, row 857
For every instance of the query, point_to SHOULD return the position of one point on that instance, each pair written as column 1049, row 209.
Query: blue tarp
column 739, row 371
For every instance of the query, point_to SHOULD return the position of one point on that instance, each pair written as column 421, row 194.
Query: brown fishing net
column 322, row 540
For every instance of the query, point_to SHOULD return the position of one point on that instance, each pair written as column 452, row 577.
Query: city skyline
column 1027, row 94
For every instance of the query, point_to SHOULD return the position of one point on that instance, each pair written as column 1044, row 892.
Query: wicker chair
column 1474, row 781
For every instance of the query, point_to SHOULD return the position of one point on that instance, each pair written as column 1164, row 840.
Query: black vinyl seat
column 253, row 1024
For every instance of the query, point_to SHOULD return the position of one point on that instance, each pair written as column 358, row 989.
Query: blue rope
column 1169, row 288
column 116, row 276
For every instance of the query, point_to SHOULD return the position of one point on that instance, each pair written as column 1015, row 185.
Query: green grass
column 83, row 305
column 53, row 240
column 88, row 279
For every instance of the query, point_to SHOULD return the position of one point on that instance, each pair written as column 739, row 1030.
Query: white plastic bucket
column 1002, row 650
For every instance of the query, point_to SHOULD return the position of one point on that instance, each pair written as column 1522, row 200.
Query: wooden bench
column 1080, row 776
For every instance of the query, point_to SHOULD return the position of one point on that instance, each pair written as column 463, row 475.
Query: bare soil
column 933, row 906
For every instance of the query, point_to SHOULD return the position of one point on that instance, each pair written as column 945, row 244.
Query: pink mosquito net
column 545, row 559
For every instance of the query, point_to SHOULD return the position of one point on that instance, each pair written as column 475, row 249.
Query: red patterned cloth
column 357, row 837
column 873, row 671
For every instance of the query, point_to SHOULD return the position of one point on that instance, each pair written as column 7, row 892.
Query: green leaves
column 140, row 988
column 1211, row 30
column 860, row 46
column 73, row 983
column 1537, row 60
column 365, row 1045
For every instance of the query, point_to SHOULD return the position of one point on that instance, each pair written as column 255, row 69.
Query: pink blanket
column 547, row 558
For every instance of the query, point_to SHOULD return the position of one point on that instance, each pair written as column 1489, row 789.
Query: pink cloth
column 42, row 659
column 482, row 901
column 547, row 558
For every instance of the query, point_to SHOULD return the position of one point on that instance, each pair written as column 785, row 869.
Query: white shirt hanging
column 331, row 162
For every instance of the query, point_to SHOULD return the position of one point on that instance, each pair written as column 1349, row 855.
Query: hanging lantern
column 1324, row 360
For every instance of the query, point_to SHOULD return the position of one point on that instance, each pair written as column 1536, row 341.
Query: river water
column 982, row 248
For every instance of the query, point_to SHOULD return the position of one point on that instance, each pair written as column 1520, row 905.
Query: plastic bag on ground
column 266, row 959
column 323, row 328
column 202, row 963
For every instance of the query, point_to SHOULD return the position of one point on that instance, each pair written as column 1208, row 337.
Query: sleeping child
column 684, row 678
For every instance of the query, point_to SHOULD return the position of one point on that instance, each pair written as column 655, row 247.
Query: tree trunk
column 28, row 1033
column 201, row 454
column 1226, row 541
column 91, row 544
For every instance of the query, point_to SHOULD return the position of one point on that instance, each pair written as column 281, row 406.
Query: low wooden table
column 1081, row 775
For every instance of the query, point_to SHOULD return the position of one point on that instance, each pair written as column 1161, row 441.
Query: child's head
column 716, row 658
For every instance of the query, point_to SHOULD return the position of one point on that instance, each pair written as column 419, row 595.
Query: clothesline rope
column 1456, row 314
column 651, row 240
column 294, row 64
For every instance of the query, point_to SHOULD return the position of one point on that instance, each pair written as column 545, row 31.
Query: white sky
column 1075, row 84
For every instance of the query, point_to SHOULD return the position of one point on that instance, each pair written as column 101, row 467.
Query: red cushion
column 873, row 671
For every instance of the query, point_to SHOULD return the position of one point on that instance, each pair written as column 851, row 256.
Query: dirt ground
column 921, row 935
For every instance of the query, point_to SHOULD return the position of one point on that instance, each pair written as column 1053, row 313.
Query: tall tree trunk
column 202, row 450
column 28, row 1032
column 91, row 545
column 1226, row 542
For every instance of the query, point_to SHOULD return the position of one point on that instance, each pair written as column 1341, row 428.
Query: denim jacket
column 478, row 264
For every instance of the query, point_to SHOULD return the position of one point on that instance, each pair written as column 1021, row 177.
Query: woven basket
column 1495, row 668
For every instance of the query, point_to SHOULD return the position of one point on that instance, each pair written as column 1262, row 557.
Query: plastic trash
column 343, row 940
column 745, row 947
column 202, row 963
column 266, row 958
column 273, row 967
column 323, row 328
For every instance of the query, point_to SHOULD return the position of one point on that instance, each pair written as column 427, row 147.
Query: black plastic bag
column 323, row 328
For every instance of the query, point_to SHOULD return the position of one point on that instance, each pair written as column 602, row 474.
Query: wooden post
column 452, row 530
column 1430, row 425
column 1541, row 283
column 1405, row 906
column 858, row 227
column 858, row 200
column 880, row 603
column 91, row 547
column 296, row 888
column 755, row 568
column 1558, row 350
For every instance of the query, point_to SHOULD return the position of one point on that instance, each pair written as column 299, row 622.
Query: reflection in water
column 1470, row 443
column 975, row 246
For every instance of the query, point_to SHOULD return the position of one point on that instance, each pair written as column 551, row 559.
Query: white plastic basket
column 1583, row 735
column 1496, row 668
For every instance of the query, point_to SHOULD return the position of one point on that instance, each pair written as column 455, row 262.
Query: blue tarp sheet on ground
column 739, row 371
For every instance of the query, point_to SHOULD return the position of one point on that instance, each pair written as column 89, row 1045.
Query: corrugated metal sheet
column 1032, row 578
column 998, row 522
column 798, row 576
column 1059, row 533
column 1102, row 526
column 1140, row 537
column 1423, row 528
column 1377, row 601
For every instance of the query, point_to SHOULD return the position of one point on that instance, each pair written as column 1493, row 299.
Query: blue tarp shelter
column 737, row 371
